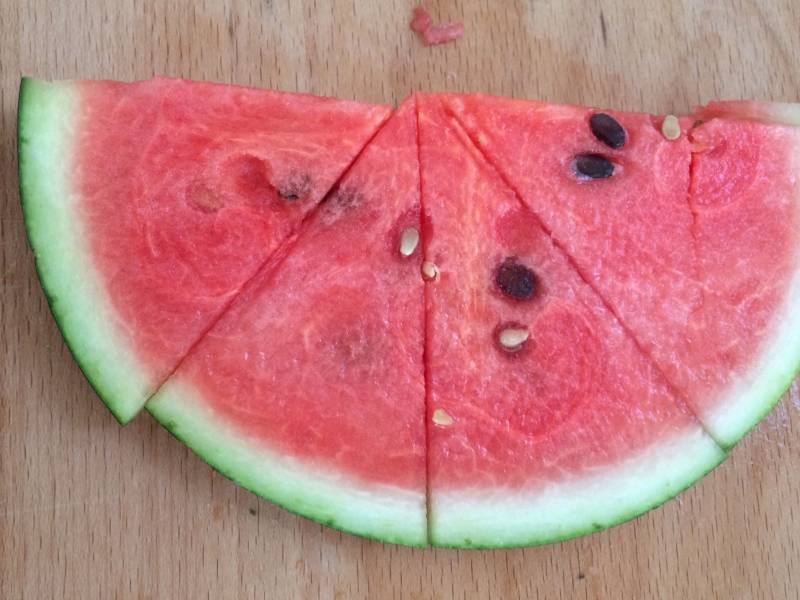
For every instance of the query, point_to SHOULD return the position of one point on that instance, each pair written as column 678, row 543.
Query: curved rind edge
column 783, row 113
column 46, row 121
column 611, row 496
column 380, row 512
column 770, row 376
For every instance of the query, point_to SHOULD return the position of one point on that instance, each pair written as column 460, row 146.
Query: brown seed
column 607, row 129
column 512, row 338
column 592, row 166
column 408, row 241
column 440, row 417
column 515, row 280
column 671, row 127
column 429, row 270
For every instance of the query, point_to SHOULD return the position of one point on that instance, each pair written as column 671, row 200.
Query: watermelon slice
column 310, row 389
column 473, row 322
column 561, row 430
column 149, row 205
column 745, row 196
column 691, row 242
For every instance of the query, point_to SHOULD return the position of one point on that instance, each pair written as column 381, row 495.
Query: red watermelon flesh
column 519, row 439
column 315, row 374
column 183, row 190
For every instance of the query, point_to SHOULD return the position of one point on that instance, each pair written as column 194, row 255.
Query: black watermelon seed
column 593, row 166
column 515, row 280
column 607, row 129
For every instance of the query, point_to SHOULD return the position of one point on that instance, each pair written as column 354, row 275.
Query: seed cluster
column 517, row 281
column 609, row 131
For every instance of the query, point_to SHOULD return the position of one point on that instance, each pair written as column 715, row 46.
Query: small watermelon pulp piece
column 692, row 243
column 569, row 430
column 149, row 205
column 310, row 389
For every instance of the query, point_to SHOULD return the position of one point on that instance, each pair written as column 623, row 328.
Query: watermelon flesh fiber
column 411, row 397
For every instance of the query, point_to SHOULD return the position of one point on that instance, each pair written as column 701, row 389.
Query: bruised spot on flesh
column 342, row 200
column 296, row 187
column 252, row 177
column 202, row 198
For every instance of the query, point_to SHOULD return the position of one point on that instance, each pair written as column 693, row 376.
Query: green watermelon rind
column 336, row 500
column 619, row 493
column 47, row 118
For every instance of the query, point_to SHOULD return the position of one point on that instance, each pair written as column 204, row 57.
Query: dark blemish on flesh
column 515, row 280
column 253, row 511
column 592, row 166
column 296, row 187
column 343, row 199
column 581, row 576
column 607, row 129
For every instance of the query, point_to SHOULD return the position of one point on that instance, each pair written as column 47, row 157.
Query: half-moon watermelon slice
column 546, row 419
column 691, row 237
column 310, row 389
column 149, row 205
column 608, row 301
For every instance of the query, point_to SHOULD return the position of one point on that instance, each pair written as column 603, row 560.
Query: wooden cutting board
column 92, row 510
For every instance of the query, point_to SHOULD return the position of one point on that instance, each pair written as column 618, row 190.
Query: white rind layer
column 378, row 511
column 755, row 393
column 605, row 497
column 48, row 116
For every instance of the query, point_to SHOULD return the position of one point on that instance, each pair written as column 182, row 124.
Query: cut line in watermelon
column 348, row 299
column 507, row 323
column 518, row 461
column 110, row 172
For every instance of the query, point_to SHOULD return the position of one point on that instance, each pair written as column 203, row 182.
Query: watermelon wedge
column 745, row 196
column 471, row 321
column 310, row 389
column 521, row 450
column 691, row 242
column 149, row 205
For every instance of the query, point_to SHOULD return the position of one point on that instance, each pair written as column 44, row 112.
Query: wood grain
column 92, row 510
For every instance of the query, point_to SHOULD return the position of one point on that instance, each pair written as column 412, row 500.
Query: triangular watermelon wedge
column 745, row 196
column 310, row 389
column 149, row 205
column 707, row 288
column 546, row 420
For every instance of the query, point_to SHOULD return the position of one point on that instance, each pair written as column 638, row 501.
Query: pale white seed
column 440, row 417
column 429, row 270
column 512, row 338
column 671, row 128
column 408, row 241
